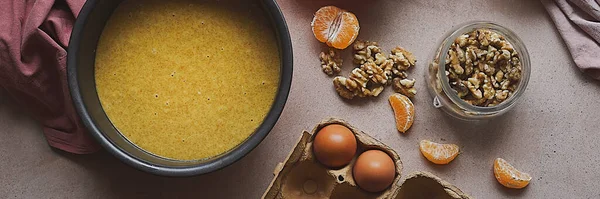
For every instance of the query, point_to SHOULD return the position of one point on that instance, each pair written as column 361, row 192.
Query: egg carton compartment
column 307, row 180
column 302, row 176
column 426, row 185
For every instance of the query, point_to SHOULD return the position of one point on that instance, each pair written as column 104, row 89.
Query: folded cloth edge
column 582, row 47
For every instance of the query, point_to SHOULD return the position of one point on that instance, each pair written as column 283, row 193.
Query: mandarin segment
column 346, row 33
column 323, row 22
column 335, row 27
column 404, row 111
column 438, row 153
column 509, row 176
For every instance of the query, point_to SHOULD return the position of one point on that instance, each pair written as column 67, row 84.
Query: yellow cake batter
column 187, row 80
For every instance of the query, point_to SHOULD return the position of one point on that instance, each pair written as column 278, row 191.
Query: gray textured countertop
column 552, row 133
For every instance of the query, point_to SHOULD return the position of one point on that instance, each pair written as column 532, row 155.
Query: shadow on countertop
column 123, row 181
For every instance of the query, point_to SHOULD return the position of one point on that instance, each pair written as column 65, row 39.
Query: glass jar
column 445, row 98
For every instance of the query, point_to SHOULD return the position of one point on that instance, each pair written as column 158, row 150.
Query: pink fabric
column 578, row 22
column 34, row 35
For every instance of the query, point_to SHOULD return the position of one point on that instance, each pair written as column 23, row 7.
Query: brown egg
column 374, row 171
column 334, row 145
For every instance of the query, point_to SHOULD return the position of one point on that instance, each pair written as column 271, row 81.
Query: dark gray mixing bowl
column 80, row 69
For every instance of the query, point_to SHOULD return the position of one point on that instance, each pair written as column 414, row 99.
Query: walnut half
column 405, row 87
column 375, row 70
column 331, row 62
column 365, row 51
column 403, row 60
column 356, row 85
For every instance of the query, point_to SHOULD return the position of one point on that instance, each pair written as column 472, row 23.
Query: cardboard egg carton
column 302, row 176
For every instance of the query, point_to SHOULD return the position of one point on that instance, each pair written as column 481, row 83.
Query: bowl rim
column 230, row 157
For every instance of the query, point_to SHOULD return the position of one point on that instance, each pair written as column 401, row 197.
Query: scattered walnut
column 355, row 85
column 331, row 62
column 402, row 59
column 345, row 87
column 405, row 86
column 376, row 70
column 402, row 74
column 388, row 66
column 352, row 86
column 376, row 91
column 365, row 51
column 380, row 58
column 483, row 68
column 360, row 77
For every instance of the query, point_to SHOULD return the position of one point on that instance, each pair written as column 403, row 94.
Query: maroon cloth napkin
column 578, row 22
column 34, row 35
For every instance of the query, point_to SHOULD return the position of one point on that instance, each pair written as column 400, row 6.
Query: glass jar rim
column 512, row 38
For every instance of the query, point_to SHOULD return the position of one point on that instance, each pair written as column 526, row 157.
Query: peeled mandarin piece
column 509, row 176
column 346, row 33
column 404, row 111
column 438, row 153
column 335, row 27
column 323, row 20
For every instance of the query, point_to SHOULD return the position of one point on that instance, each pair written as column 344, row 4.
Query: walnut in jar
column 483, row 67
